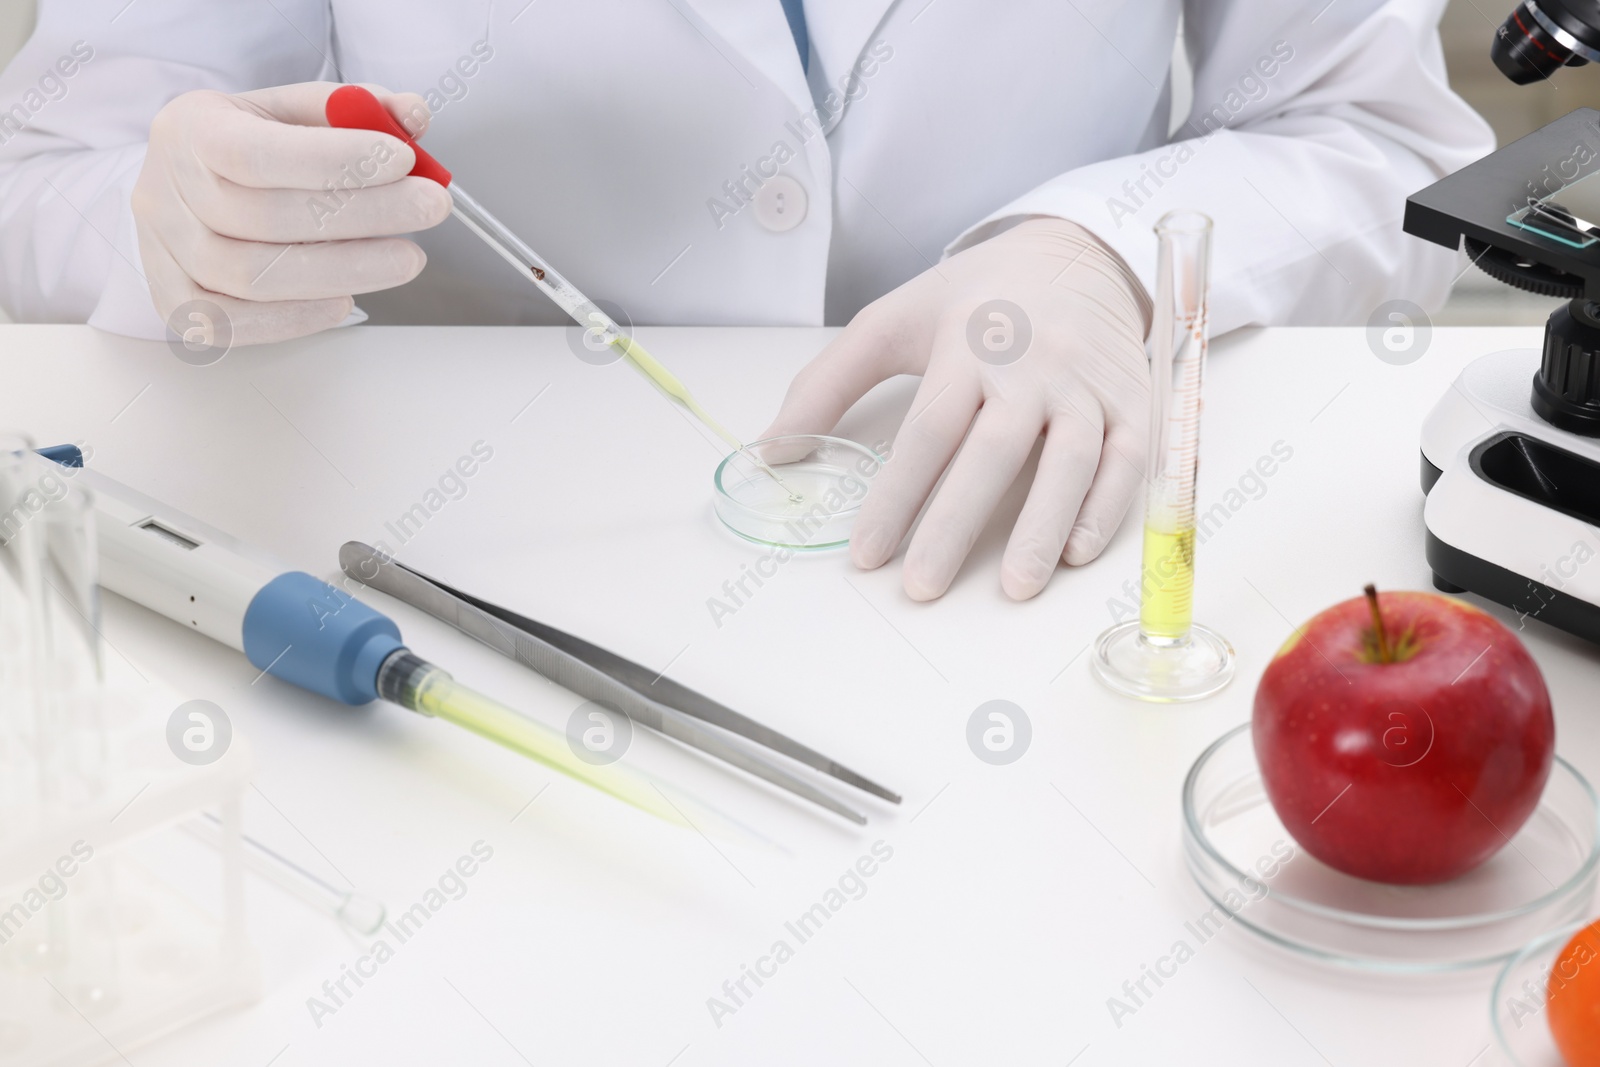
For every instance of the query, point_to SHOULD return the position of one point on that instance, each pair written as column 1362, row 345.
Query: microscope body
column 1511, row 453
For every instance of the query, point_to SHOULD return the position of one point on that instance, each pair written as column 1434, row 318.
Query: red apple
column 1405, row 739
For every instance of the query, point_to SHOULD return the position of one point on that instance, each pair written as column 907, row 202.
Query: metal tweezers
column 608, row 679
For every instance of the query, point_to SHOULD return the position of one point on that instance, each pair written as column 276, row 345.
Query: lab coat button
column 781, row 204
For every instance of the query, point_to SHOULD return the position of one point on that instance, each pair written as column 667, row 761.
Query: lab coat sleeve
column 75, row 110
column 1311, row 124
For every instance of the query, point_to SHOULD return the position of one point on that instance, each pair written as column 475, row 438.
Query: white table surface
column 1018, row 898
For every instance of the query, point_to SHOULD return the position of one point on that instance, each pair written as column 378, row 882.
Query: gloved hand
column 1082, row 380
column 253, row 203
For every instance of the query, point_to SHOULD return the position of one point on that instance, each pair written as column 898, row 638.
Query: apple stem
column 1385, row 652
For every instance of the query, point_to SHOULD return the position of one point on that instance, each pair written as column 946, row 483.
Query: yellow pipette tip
column 437, row 694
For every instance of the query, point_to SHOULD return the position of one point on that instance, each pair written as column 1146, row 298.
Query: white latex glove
column 236, row 204
column 1083, row 381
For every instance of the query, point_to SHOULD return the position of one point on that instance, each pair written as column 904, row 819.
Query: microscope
column 1511, row 453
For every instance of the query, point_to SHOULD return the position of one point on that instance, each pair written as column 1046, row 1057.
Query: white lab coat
column 631, row 143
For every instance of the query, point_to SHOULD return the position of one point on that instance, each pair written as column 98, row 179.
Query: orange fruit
column 1574, row 1004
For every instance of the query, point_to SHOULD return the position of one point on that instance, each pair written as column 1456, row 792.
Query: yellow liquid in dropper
column 664, row 380
column 669, row 384
column 1166, row 604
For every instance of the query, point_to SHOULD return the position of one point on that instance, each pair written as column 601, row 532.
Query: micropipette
column 1165, row 655
column 352, row 107
column 301, row 629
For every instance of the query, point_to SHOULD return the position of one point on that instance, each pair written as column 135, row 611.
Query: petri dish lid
column 1517, row 1004
column 1233, row 841
column 823, row 482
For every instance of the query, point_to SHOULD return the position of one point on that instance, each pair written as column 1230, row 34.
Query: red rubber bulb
column 351, row 107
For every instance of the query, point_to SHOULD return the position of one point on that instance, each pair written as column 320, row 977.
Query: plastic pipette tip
column 712, row 822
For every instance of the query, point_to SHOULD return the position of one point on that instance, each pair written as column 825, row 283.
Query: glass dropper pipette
column 352, row 107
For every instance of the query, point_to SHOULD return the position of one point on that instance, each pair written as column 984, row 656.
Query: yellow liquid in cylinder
column 1166, row 605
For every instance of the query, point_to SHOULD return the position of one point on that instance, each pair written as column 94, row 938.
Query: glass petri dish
column 1516, row 1006
column 1234, row 846
column 824, row 480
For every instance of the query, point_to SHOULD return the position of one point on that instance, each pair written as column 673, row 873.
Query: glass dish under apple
column 1543, row 879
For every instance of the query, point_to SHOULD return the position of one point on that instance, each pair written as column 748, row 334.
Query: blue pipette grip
column 305, row 631
column 66, row 455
